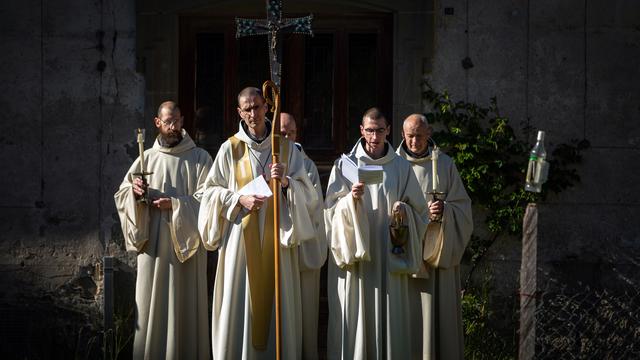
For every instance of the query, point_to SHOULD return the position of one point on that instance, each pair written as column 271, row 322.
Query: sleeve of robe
column 220, row 207
column 347, row 238
column 445, row 242
column 296, row 223
column 184, row 218
column 313, row 253
column 134, row 216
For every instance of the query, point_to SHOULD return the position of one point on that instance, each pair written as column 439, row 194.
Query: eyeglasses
column 379, row 131
column 169, row 123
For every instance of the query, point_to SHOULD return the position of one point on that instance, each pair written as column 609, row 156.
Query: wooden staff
column 270, row 88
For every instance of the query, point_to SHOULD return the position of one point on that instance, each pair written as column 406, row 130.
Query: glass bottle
column 538, row 168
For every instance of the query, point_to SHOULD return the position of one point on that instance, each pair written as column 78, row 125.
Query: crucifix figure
column 273, row 27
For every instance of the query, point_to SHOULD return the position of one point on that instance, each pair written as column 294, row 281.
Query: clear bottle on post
column 538, row 168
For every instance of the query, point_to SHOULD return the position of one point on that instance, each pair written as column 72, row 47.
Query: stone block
column 498, row 50
column 613, row 87
column 617, row 14
column 607, row 177
column 589, row 243
column 556, row 84
column 20, row 99
column 60, row 21
column 21, row 20
column 557, row 15
column 450, row 49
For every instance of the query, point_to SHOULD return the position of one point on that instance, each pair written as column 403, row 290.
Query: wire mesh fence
column 587, row 324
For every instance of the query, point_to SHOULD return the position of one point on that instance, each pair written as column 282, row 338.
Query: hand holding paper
column 257, row 186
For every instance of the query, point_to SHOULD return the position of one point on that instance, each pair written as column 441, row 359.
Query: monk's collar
column 267, row 131
column 385, row 152
column 414, row 155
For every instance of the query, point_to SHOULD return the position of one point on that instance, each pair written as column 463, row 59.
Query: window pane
column 253, row 61
column 362, row 81
column 318, row 105
column 208, row 121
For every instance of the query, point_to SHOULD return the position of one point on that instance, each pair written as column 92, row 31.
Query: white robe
column 220, row 224
column 437, row 294
column 367, row 284
column 171, row 286
column 313, row 255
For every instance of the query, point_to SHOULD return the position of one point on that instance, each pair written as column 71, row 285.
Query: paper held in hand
column 257, row 186
column 368, row 174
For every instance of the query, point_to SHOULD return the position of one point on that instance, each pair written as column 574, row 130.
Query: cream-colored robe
column 313, row 255
column 171, row 286
column 438, row 295
column 368, row 293
column 220, row 224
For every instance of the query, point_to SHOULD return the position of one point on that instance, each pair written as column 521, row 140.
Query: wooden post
column 109, row 331
column 528, row 291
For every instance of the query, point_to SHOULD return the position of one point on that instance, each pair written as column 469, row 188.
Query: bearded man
column 171, row 287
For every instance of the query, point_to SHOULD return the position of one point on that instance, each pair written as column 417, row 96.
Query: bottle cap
column 540, row 135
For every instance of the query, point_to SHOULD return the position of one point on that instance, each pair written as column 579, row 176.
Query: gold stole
column 259, row 255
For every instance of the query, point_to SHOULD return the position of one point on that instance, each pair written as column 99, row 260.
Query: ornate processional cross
column 274, row 26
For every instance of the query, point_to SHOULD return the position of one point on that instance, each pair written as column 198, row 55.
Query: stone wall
column 569, row 68
column 70, row 97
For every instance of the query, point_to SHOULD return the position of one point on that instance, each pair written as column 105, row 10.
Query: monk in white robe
column 171, row 286
column 368, row 292
column 436, row 291
column 240, row 228
column 313, row 254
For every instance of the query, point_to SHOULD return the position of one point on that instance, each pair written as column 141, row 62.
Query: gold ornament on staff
column 272, row 97
column 143, row 172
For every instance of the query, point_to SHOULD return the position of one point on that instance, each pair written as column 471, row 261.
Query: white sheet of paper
column 349, row 169
column 257, row 186
column 368, row 174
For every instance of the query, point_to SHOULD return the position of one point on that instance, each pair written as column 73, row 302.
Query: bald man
column 435, row 292
column 313, row 253
column 171, row 286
